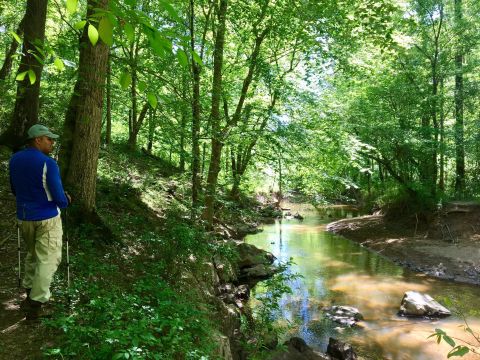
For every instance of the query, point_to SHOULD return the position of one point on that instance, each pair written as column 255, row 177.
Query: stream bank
column 448, row 247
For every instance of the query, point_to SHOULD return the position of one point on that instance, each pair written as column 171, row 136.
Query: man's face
column 44, row 144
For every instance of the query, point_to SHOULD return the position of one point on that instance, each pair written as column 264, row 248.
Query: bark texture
column 217, row 144
column 25, row 113
column 82, row 130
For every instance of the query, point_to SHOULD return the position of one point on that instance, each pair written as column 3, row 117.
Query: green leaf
column 130, row 2
column 16, row 37
column 105, row 30
column 162, row 41
column 142, row 85
column 92, row 34
column 170, row 10
column 129, row 32
column 80, row 25
column 125, row 80
column 156, row 46
column 38, row 58
column 21, row 76
column 182, row 58
column 449, row 340
column 460, row 350
column 152, row 100
column 32, row 76
column 59, row 64
column 197, row 58
column 72, row 6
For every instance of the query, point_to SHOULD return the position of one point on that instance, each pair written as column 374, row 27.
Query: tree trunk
column 441, row 181
column 25, row 113
column 151, row 130
column 108, row 133
column 183, row 125
column 132, row 137
column 195, row 115
column 7, row 64
column 217, row 143
column 82, row 130
column 459, row 127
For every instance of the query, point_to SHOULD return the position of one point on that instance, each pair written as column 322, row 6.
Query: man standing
column 36, row 184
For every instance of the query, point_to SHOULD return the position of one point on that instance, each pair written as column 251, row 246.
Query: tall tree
column 108, row 130
column 215, row 116
column 25, row 113
column 83, row 122
column 459, row 126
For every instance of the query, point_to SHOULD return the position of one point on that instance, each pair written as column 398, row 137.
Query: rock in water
column 340, row 351
column 417, row 304
column 297, row 349
column 344, row 315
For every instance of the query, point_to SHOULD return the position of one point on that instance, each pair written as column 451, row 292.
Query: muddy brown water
column 338, row 271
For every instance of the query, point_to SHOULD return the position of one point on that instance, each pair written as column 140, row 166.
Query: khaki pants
column 44, row 253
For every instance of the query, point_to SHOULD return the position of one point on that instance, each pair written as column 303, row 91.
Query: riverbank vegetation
column 173, row 114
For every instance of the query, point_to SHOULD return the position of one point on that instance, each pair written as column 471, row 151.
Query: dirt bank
column 448, row 247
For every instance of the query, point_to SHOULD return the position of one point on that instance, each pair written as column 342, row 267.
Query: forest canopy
column 367, row 101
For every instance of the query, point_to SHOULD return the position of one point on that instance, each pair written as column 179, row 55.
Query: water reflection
column 338, row 271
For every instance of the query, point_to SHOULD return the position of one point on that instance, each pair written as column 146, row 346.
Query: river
column 337, row 271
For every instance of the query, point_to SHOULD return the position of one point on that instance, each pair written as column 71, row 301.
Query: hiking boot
column 34, row 310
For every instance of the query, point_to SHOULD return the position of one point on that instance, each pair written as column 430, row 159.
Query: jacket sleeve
column 55, row 184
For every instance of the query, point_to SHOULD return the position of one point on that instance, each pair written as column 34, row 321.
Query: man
column 36, row 184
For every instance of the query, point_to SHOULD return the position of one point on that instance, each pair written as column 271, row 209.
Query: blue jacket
column 35, row 181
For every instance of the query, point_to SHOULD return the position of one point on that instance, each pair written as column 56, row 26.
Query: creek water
column 337, row 271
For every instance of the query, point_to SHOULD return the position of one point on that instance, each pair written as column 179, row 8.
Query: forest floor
column 18, row 341
column 144, row 203
column 448, row 247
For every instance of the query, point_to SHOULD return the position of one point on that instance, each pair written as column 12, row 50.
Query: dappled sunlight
column 408, row 339
column 392, row 241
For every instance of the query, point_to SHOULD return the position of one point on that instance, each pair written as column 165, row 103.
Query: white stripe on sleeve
column 44, row 181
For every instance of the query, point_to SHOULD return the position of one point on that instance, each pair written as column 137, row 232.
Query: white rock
column 417, row 304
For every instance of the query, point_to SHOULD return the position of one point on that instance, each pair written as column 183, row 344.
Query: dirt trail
column 18, row 339
column 448, row 247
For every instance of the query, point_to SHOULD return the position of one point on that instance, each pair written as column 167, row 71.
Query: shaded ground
column 448, row 247
column 144, row 205
column 18, row 341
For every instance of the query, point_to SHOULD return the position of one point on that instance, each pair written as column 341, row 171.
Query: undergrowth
column 129, row 300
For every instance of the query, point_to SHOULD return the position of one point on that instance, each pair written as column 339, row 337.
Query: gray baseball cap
column 38, row 130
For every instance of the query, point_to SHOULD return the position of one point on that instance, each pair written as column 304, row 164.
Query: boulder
column 250, row 255
column 242, row 230
column 298, row 216
column 340, row 351
column 225, row 271
column 344, row 315
column 297, row 349
column 259, row 271
column 418, row 305
column 242, row 292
